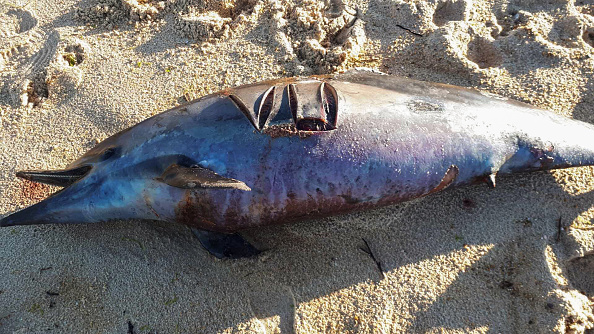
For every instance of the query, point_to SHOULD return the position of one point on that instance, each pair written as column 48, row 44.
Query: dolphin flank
column 298, row 148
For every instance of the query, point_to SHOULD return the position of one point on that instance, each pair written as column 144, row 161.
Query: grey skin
column 299, row 148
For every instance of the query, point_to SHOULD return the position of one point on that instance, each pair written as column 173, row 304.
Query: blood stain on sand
column 33, row 192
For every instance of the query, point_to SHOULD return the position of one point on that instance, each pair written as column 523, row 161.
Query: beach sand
column 513, row 259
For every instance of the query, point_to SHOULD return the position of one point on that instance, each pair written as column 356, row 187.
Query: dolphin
column 298, row 148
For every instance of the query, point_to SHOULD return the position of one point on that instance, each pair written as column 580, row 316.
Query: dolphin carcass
column 298, row 148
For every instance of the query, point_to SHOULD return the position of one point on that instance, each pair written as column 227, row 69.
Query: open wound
column 313, row 106
column 301, row 106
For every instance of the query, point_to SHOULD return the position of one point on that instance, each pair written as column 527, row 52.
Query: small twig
column 367, row 250
column 44, row 269
column 410, row 31
column 130, row 327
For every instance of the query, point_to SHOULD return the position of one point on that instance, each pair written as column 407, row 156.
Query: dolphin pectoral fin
column 222, row 245
column 61, row 177
column 198, row 177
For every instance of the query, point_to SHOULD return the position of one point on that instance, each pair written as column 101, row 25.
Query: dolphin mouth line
column 61, row 177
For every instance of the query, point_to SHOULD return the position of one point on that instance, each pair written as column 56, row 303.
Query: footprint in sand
column 17, row 34
column 29, row 57
column 51, row 71
column 484, row 53
column 202, row 21
column 111, row 13
column 22, row 20
column 273, row 305
column 580, row 273
column 567, row 32
column 21, row 61
column 457, row 43
column 28, row 85
column 451, row 10
column 588, row 36
column 318, row 38
column 64, row 73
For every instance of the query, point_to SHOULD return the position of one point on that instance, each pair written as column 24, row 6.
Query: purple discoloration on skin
column 378, row 140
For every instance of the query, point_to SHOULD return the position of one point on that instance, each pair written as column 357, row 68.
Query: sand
column 514, row 259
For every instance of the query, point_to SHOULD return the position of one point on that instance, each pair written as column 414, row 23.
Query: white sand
column 465, row 260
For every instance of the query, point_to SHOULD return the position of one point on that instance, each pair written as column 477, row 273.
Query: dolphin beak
column 28, row 216
column 68, row 205
column 61, row 177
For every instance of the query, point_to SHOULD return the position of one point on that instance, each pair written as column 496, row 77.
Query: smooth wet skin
column 298, row 148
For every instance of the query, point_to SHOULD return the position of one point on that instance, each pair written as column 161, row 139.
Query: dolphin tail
column 562, row 143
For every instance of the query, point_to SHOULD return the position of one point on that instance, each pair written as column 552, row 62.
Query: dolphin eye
column 108, row 153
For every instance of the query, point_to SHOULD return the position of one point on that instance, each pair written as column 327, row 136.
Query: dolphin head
column 110, row 181
column 139, row 173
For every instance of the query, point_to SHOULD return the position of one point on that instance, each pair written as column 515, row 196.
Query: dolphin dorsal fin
column 198, row 177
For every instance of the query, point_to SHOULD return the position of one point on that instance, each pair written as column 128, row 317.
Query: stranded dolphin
column 298, row 148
